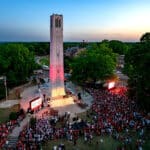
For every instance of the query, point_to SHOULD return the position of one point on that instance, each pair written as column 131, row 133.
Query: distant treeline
column 42, row 48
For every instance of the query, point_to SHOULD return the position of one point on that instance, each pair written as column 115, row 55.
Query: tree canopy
column 39, row 48
column 145, row 37
column 96, row 63
column 137, row 68
column 118, row 47
column 16, row 62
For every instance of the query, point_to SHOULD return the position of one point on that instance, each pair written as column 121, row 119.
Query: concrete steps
column 12, row 142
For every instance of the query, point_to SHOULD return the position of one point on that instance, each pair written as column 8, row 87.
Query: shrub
column 32, row 122
column 13, row 116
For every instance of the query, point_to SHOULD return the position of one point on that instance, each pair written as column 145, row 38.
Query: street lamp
column 5, row 84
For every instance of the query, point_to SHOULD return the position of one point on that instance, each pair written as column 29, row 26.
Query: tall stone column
column 56, row 73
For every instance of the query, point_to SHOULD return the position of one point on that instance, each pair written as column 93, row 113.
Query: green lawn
column 108, row 144
column 4, row 113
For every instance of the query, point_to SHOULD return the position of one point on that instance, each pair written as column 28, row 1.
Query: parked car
column 44, row 67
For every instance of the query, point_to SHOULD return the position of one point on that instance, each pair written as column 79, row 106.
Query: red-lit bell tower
column 56, row 73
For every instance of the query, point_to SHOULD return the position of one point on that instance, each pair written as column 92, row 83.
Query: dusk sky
column 90, row 20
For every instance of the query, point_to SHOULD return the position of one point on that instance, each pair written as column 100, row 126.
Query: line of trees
column 137, row 67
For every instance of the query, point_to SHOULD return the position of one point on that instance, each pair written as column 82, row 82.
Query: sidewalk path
column 8, row 103
column 16, row 131
column 13, row 137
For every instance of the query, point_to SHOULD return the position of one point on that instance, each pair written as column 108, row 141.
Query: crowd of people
column 110, row 114
column 6, row 128
column 115, row 112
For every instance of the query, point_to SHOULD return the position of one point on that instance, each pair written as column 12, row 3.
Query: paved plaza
column 34, row 91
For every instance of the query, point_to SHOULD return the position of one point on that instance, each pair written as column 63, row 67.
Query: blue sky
column 90, row 20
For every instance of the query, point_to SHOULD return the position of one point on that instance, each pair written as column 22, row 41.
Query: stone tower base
column 61, row 102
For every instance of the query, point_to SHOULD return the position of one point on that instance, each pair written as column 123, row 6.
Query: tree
column 39, row 48
column 33, row 122
column 17, row 63
column 145, row 37
column 118, row 47
column 67, row 62
column 13, row 116
column 96, row 63
column 137, row 68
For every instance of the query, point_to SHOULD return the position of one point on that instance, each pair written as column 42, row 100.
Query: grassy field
column 108, row 144
column 4, row 113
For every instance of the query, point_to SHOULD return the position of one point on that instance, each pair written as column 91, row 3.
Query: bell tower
column 56, row 73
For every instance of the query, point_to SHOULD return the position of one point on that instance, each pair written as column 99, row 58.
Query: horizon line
column 66, row 41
